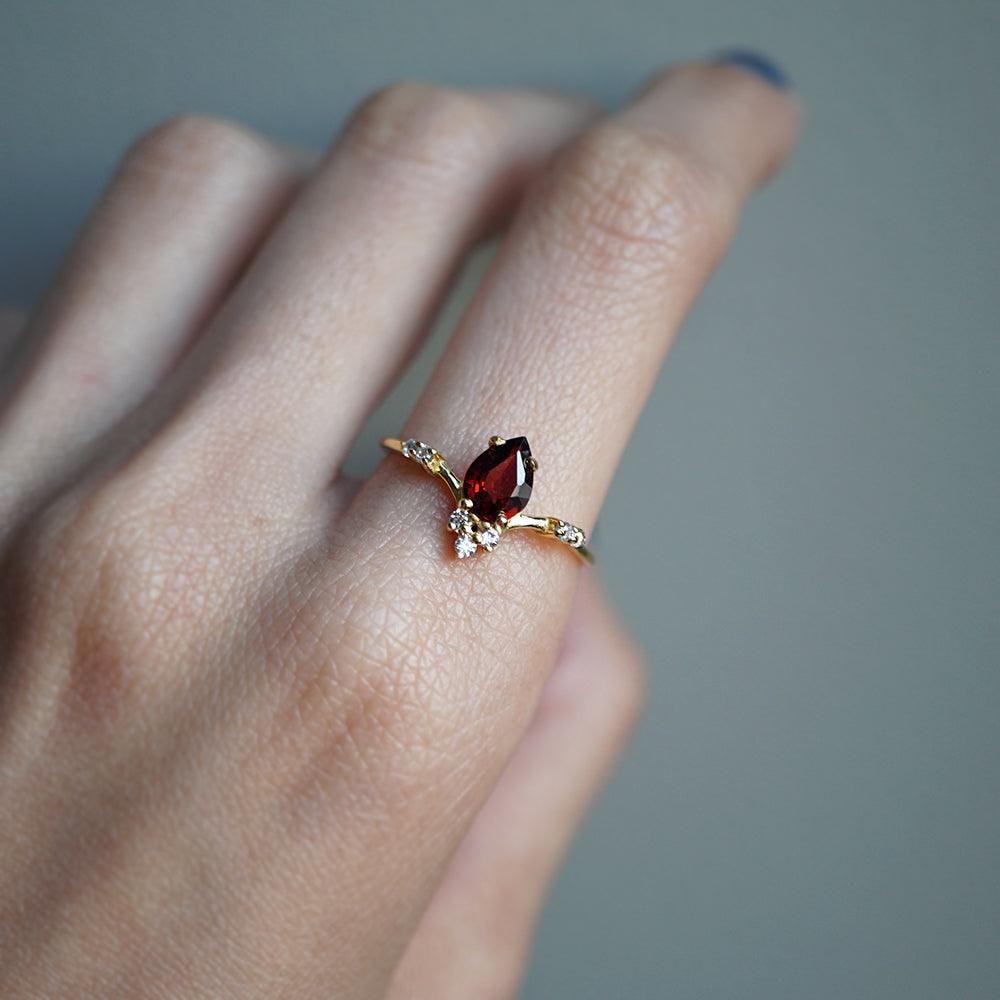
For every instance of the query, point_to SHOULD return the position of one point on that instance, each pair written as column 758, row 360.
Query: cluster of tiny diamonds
column 570, row 534
column 472, row 533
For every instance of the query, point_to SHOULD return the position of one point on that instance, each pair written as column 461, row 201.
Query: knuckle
column 420, row 695
column 369, row 700
column 104, row 589
column 426, row 126
column 396, row 669
column 162, row 567
column 62, row 587
column 624, row 193
column 195, row 146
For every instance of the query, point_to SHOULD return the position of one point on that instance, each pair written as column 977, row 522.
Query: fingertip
column 724, row 115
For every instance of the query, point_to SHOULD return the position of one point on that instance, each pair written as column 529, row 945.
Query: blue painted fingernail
column 755, row 63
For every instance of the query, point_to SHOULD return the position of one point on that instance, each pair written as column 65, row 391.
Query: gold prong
column 533, row 463
column 501, row 522
column 466, row 503
column 496, row 441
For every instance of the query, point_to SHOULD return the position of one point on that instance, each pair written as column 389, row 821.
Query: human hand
column 261, row 734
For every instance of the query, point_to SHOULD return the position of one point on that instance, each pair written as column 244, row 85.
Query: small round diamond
column 465, row 546
column 423, row 452
column 408, row 447
column 459, row 519
column 489, row 538
column 570, row 534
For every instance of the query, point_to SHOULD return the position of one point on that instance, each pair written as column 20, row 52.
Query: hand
column 261, row 734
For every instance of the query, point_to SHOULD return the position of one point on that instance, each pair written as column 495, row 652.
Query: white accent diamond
column 465, row 545
column 489, row 538
column 423, row 452
column 570, row 534
column 459, row 519
column 408, row 447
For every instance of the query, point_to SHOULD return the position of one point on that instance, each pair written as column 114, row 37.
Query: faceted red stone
column 499, row 480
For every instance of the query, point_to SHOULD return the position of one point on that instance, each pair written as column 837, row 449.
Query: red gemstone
column 499, row 480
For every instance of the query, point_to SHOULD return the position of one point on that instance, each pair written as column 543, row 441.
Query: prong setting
column 488, row 537
column 459, row 520
column 422, row 454
column 569, row 533
column 465, row 546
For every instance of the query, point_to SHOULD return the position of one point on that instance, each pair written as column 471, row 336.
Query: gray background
column 811, row 806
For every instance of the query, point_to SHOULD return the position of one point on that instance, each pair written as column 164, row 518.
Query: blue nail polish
column 755, row 63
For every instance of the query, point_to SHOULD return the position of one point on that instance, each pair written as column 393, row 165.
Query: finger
column 567, row 335
column 346, row 284
column 561, row 344
column 187, row 206
column 475, row 937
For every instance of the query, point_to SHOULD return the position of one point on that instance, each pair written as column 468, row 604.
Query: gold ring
column 491, row 499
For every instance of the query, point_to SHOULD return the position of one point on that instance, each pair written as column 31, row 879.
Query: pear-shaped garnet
column 499, row 480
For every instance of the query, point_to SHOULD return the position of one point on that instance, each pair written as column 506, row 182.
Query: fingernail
column 755, row 63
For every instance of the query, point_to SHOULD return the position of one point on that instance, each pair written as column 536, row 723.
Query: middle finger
column 561, row 345
column 568, row 333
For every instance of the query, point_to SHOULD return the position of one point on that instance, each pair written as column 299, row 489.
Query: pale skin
column 261, row 734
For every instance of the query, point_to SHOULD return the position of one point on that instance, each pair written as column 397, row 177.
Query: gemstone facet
column 499, row 481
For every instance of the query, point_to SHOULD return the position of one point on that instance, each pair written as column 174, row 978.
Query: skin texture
column 261, row 735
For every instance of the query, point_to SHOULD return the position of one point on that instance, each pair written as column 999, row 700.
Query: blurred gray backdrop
column 811, row 808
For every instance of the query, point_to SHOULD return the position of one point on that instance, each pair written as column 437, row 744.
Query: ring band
column 490, row 501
